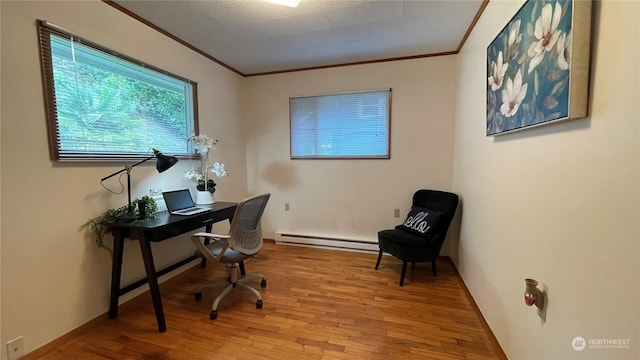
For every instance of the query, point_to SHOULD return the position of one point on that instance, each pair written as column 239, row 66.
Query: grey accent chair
column 419, row 238
column 243, row 242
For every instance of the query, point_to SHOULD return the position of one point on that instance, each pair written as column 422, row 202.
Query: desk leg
column 149, row 266
column 116, row 271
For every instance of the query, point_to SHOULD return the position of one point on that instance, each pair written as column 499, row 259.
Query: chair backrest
column 246, row 232
column 438, row 200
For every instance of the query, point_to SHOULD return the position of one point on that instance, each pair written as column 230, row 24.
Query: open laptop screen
column 178, row 200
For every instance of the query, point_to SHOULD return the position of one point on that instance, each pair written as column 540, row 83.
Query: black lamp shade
column 165, row 162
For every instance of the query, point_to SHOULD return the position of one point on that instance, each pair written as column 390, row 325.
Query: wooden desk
column 163, row 227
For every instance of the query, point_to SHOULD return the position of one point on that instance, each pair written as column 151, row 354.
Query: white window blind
column 105, row 105
column 349, row 125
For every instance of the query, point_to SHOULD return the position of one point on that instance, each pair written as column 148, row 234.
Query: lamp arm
column 128, row 168
column 164, row 163
column 143, row 160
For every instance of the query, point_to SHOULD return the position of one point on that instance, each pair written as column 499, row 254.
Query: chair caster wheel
column 213, row 315
column 198, row 295
column 263, row 283
column 259, row 304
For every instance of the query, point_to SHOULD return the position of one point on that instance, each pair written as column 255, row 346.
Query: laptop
column 179, row 202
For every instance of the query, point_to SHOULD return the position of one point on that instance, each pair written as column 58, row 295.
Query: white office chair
column 243, row 241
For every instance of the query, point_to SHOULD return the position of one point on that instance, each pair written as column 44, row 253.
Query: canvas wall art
column 538, row 66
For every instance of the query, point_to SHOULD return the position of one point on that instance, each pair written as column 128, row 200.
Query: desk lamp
column 163, row 163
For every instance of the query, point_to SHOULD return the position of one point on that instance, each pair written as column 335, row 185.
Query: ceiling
column 254, row 37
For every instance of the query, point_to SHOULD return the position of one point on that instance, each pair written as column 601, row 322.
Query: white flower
column 203, row 143
column 514, row 34
column 513, row 41
column 497, row 73
column 545, row 34
column 512, row 95
column 193, row 174
column 564, row 51
column 219, row 170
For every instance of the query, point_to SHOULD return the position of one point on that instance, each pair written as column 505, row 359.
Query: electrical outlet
column 396, row 213
column 15, row 348
column 162, row 206
column 286, row 206
column 155, row 192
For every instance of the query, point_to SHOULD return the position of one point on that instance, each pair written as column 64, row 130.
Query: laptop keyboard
column 189, row 211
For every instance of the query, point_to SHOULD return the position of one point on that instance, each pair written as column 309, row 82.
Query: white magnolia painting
column 529, row 67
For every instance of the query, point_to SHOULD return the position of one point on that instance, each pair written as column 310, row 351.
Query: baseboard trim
column 483, row 322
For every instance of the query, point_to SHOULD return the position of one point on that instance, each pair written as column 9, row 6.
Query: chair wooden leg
column 379, row 257
column 433, row 267
column 404, row 270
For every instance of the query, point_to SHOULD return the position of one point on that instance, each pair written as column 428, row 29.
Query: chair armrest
column 211, row 235
column 202, row 248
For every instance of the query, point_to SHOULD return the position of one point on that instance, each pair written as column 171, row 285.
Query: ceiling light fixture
column 289, row 3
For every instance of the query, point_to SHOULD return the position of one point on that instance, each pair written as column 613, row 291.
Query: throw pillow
column 422, row 221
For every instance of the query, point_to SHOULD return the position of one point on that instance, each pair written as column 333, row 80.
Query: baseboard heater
column 336, row 243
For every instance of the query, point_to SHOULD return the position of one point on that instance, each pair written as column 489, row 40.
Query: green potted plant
column 142, row 208
column 146, row 207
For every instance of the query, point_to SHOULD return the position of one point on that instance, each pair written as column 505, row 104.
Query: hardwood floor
column 319, row 304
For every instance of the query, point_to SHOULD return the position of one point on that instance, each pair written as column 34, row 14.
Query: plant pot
column 142, row 210
column 204, row 198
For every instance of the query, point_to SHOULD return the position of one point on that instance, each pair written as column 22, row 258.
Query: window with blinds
column 341, row 126
column 104, row 105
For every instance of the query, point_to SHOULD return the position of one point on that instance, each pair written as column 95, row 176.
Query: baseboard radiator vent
column 335, row 243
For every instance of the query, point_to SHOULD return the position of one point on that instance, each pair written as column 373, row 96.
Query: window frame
column 359, row 110
column 45, row 30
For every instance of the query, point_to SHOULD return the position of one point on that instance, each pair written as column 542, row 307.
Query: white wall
column 351, row 198
column 559, row 203
column 53, row 277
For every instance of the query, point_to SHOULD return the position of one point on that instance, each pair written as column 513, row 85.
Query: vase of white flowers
column 204, row 185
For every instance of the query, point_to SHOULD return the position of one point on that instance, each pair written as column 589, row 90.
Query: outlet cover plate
column 15, row 348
